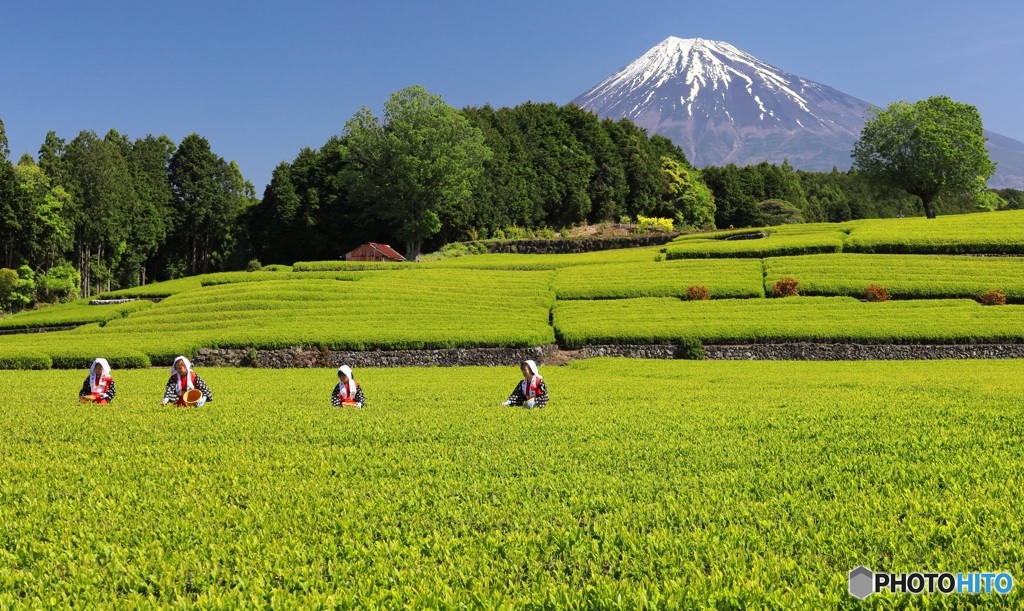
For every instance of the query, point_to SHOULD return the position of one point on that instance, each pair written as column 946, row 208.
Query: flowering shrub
column 876, row 293
column 786, row 287
column 697, row 292
column 648, row 223
column 993, row 297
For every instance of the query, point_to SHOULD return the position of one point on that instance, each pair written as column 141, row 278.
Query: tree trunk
column 412, row 249
column 86, row 267
column 929, row 207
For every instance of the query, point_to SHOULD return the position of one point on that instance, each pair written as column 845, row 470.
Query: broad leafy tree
column 417, row 164
column 926, row 148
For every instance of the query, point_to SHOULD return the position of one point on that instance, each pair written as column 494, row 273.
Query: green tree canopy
column 418, row 164
column 927, row 148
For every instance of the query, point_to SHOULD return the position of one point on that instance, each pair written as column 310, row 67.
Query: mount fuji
column 722, row 105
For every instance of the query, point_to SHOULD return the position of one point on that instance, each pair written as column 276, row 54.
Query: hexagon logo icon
column 861, row 583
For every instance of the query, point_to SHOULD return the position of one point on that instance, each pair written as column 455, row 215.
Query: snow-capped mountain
column 722, row 105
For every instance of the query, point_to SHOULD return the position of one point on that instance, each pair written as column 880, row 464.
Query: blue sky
column 261, row 80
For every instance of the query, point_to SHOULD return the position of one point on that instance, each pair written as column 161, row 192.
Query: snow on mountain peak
column 708, row 90
column 722, row 105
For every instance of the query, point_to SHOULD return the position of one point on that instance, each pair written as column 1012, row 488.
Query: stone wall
column 863, row 352
column 451, row 357
column 315, row 357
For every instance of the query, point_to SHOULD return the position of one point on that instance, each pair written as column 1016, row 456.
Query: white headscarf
column 104, row 373
column 531, row 387
column 177, row 377
column 348, row 389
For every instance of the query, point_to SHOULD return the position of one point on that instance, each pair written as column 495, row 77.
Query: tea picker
column 185, row 387
column 99, row 385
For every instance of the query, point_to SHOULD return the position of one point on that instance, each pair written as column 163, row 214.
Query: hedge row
column 903, row 276
column 814, row 319
column 724, row 278
column 74, row 313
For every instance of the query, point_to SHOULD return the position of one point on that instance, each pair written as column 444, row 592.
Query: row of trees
column 426, row 172
column 118, row 212
column 101, row 213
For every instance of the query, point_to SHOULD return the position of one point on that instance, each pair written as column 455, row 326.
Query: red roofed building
column 371, row 251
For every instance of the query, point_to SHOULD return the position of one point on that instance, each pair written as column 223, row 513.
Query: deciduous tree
column 926, row 148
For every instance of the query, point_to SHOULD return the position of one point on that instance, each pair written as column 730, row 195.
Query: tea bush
column 644, row 484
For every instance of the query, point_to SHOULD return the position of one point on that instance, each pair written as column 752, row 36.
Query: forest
column 95, row 214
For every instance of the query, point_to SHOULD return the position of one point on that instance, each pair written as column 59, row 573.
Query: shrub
column 454, row 249
column 993, row 297
column 779, row 212
column 62, row 283
column 690, row 348
column 254, row 266
column 786, row 287
column 516, row 233
column 697, row 292
column 876, row 293
column 8, row 285
column 652, row 224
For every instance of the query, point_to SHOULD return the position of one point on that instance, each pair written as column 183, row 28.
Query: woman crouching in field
column 531, row 392
column 347, row 393
column 183, row 380
column 98, row 386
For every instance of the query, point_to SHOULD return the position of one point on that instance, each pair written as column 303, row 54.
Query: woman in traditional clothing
column 347, row 393
column 98, row 386
column 183, row 379
column 531, row 392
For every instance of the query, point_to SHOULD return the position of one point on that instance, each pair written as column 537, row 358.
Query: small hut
column 371, row 251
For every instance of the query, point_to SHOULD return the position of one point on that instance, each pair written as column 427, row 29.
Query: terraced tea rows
column 723, row 279
column 814, row 319
column 427, row 309
column 903, row 276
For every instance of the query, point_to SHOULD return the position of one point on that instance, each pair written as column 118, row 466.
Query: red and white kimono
column 99, row 387
column 179, row 384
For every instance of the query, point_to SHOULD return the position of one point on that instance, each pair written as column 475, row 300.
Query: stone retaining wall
column 863, row 352
column 451, row 357
column 18, row 330
column 314, row 357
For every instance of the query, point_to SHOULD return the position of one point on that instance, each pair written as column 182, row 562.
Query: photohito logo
column 864, row 582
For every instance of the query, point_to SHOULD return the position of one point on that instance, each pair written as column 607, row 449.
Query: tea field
column 793, row 319
column 1000, row 233
column 644, row 485
column 903, row 276
column 630, row 295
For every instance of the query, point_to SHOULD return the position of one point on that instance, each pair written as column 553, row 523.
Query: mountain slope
column 722, row 105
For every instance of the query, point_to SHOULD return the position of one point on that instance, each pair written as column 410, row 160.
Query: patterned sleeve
column 85, row 388
column 517, row 397
column 542, row 396
column 335, row 398
column 170, row 393
column 360, row 397
column 201, row 385
column 111, row 390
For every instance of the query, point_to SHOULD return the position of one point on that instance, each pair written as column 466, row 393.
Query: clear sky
column 260, row 80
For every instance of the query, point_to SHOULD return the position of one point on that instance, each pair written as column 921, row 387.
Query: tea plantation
column 645, row 484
